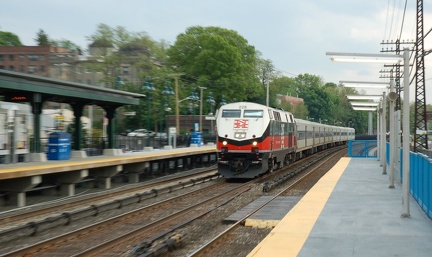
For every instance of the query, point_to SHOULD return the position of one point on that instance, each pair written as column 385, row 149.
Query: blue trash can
column 59, row 146
column 196, row 138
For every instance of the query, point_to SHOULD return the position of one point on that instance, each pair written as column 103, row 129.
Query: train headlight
column 240, row 135
column 254, row 143
column 224, row 142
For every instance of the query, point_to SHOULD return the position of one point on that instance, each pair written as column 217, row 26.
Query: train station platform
column 17, row 179
column 351, row 211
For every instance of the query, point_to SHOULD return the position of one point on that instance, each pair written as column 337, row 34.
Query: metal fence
column 362, row 148
column 421, row 181
column 94, row 146
column 420, row 177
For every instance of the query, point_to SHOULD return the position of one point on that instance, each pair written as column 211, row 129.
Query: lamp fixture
column 364, row 97
column 364, row 84
column 367, row 58
column 364, row 108
column 364, row 103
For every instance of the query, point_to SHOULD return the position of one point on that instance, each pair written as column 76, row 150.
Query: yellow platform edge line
column 290, row 234
column 78, row 162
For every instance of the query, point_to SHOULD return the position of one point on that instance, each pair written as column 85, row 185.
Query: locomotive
column 253, row 139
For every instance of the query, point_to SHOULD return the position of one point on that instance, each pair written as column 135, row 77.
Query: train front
column 240, row 130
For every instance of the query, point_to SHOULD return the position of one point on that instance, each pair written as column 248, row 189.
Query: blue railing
column 421, row 181
column 362, row 148
column 420, row 178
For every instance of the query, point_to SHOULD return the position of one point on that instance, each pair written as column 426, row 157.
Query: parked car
column 141, row 133
column 126, row 132
column 161, row 135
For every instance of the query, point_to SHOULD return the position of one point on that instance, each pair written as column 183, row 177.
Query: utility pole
column 420, row 117
column 420, row 121
column 396, row 67
column 267, row 95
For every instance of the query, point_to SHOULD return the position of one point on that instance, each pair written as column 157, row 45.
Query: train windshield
column 231, row 113
column 253, row 113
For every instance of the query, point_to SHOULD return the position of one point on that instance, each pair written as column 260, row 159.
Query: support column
column 110, row 114
column 36, row 154
column 19, row 187
column 69, row 179
column 133, row 170
column 36, row 110
column 105, row 174
column 383, row 134
column 77, row 137
column 370, row 124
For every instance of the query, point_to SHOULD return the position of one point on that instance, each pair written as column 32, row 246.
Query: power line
column 403, row 19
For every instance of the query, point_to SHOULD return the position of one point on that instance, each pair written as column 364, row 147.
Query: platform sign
column 172, row 130
column 59, row 122
column 172, row 136
column 18, row 97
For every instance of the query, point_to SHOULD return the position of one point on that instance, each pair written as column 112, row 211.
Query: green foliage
column 42, row 38
column 137, row 49
column 64, row 43
column 9, row 39
column 219, row 59
column 71, row 130
column 322, row 102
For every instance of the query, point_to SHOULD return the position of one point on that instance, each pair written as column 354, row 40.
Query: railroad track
column 134, row 227
column 31, row 221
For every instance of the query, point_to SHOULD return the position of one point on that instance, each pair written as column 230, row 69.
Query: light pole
column 118, row 82
column 148, row 88
column 201, row 105
column 167, row 91
column 193, row 97
column 222, row 102
column 211, row 102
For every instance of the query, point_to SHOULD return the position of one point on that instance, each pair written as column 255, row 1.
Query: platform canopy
column 20, row 87
column 24, row 88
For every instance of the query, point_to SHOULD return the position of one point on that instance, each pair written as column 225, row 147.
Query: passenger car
column 161, row 135
column 141, row 133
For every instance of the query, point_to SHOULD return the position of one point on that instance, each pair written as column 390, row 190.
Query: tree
column 219, row 59
column 117, row 46
column 9, row 39
column 64, row 43
column 266, row 70
column 42, row 38
column 284, row 86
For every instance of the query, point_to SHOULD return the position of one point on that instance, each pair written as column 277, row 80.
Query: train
column 253, row 139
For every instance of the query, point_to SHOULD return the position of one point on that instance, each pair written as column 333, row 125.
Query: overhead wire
column 387, row 14
column 403, row 19
column 391, row 23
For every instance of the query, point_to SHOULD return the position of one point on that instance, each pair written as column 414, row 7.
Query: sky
column 294, row 35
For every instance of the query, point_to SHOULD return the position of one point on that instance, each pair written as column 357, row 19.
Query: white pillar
column 392, row 131
column 383, row 134
column 378, row 131
column 406, row 139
